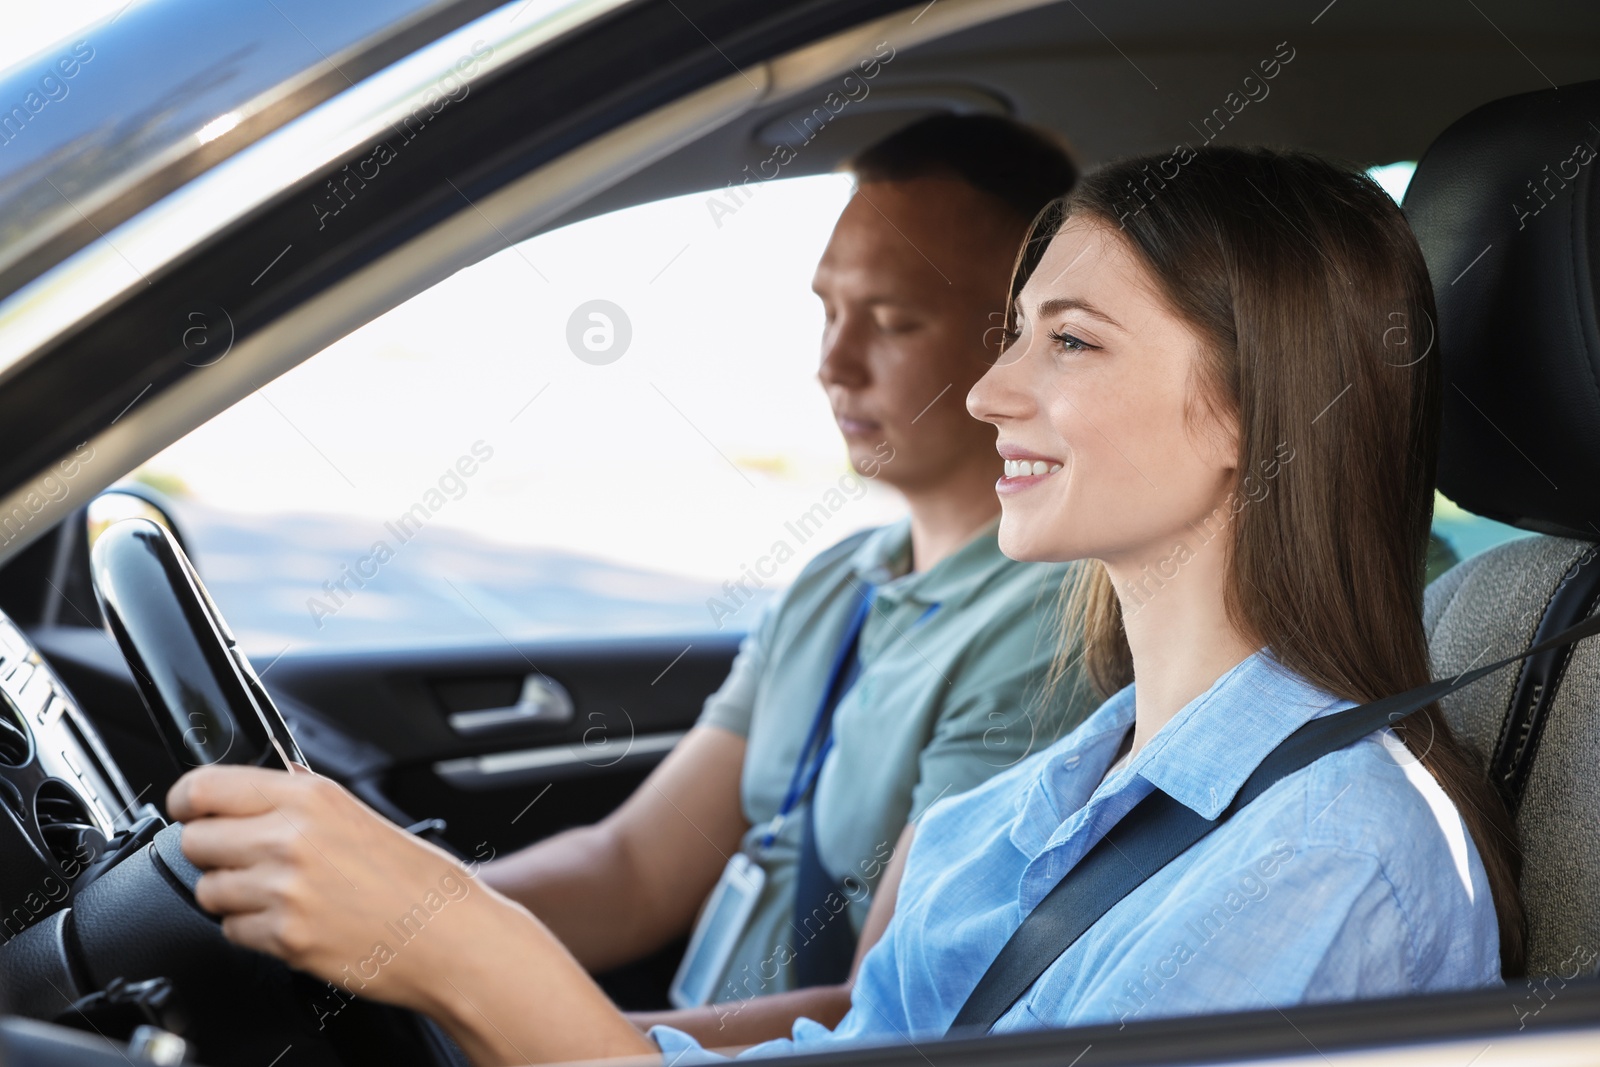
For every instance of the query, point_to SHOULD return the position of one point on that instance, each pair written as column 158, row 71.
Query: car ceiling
column 1370, row 81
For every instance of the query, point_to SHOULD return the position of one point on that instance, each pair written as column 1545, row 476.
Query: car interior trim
column 1480, row 1028
column 543, row 700
column 94, row 277
column 159, row 163
column 500, row 770
column 33, row 699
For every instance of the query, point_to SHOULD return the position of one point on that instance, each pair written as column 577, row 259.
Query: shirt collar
column 1068, row 773
column 884, row 554
column 1205, row 754
column 884, row 558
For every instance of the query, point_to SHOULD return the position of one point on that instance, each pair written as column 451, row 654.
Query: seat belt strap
column 1539, row 681
column 1159, row 829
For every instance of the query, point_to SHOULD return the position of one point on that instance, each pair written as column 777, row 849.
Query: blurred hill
column 441, row 584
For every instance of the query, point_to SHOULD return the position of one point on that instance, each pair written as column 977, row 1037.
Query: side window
column 601, row 430
column 1457, row 533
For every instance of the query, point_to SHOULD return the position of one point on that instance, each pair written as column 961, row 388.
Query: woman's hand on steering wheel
column 300, row 869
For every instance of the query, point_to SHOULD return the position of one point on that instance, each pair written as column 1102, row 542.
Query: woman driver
column 1247, row 450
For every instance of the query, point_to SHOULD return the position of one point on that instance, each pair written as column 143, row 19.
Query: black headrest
column 1506, row 205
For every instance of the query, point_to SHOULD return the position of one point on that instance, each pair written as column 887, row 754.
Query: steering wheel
column 209, row 706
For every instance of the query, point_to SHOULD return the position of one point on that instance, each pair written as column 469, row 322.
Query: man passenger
column 904, row 664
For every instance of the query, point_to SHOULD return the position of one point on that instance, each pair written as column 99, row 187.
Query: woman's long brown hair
column 1317, row 314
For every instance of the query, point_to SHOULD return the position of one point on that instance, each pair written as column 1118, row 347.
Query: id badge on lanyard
column 728, row 910
column 717, row 933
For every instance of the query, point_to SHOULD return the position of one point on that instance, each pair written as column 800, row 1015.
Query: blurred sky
column 687, row 455
column 30, row 27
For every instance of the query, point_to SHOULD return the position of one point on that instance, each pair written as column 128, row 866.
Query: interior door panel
column 458, row 745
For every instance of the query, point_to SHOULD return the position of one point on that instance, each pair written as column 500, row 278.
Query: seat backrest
column 1506, row 206
column 1483, row 610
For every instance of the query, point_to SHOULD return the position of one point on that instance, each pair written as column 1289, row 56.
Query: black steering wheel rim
column 209, row 706
column 204, row 697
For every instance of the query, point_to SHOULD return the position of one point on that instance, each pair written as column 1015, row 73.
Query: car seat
column 1506, row 205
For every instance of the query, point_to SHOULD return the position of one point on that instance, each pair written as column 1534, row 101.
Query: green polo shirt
column 952, row 662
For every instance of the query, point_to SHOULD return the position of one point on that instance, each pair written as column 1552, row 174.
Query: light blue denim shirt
column 1351, row 878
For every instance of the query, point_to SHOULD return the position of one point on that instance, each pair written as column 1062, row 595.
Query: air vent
column 69, row 830
column 11, row 797
column 14, row 745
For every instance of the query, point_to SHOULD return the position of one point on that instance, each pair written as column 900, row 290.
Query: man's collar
column 884, row 557
column 884, row 554
column 1205, row 754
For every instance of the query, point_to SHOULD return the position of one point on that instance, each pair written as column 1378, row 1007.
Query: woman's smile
column 1024, row 469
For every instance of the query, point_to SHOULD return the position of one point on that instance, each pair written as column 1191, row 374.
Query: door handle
column 544, row 702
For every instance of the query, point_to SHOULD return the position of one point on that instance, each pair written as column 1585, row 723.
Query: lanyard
column 819, row 740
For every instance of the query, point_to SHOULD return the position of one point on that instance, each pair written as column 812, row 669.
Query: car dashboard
column 65, row 798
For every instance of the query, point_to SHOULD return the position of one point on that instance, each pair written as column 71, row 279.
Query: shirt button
column 1070, row 762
